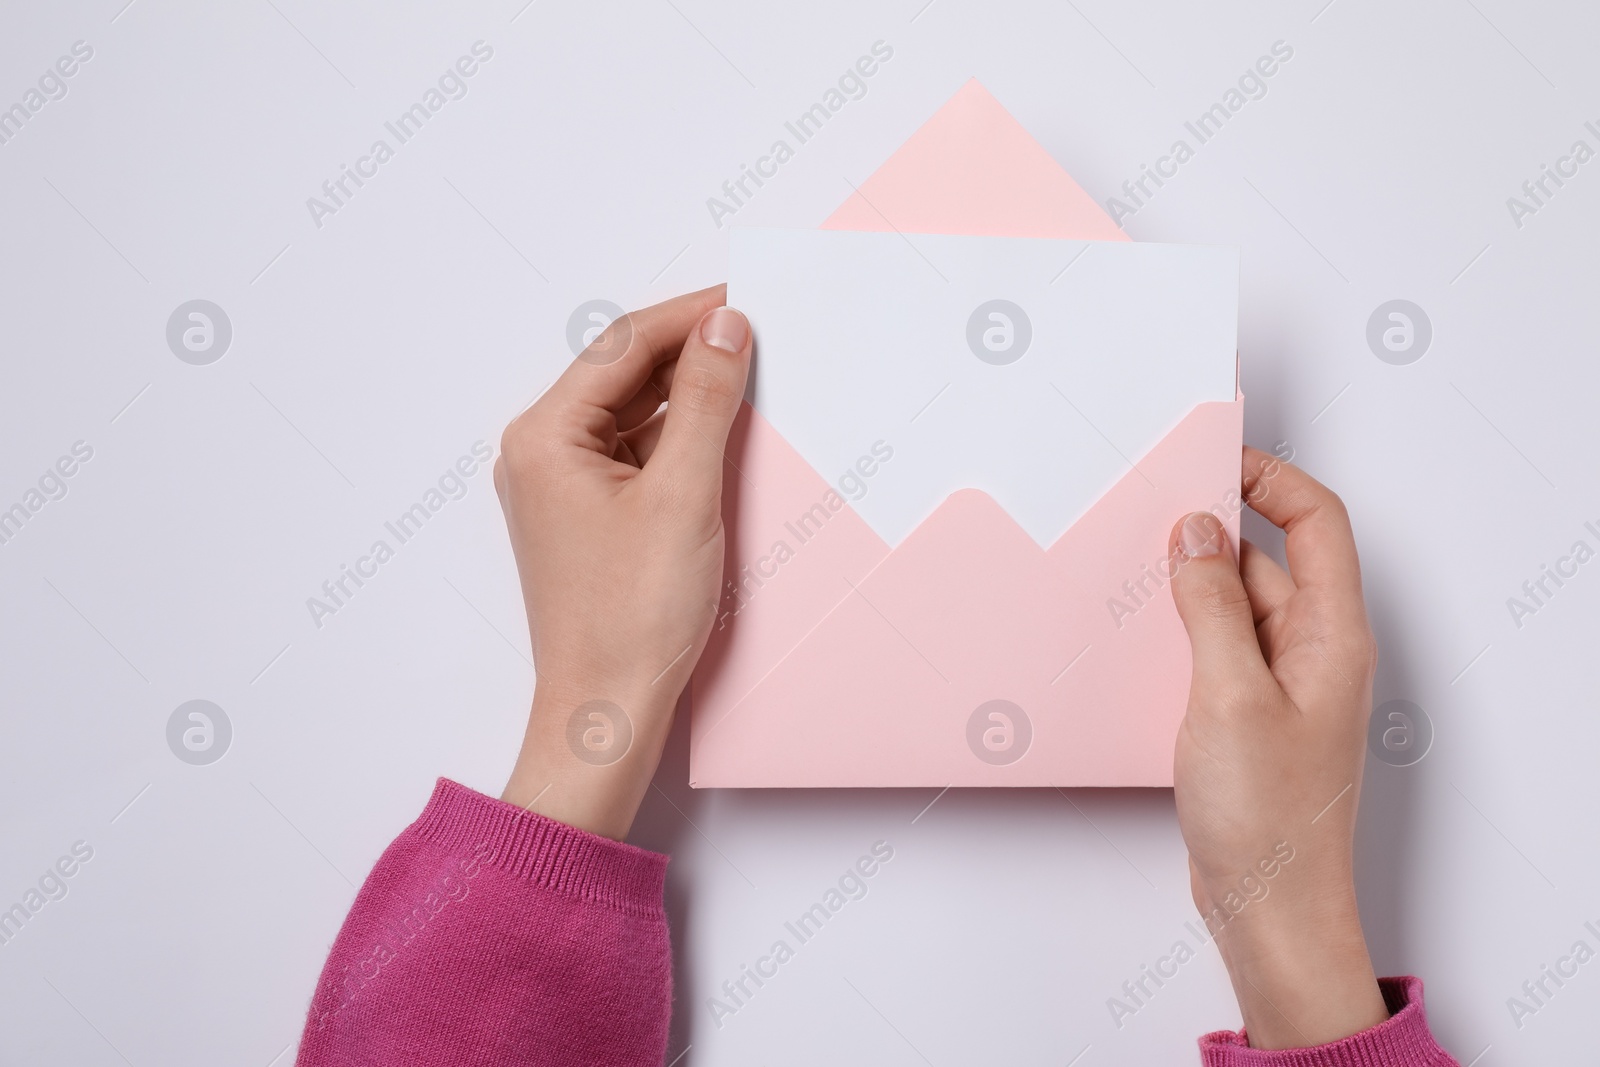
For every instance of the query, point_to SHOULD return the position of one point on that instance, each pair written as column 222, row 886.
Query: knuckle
column 708, row 389
column 1353, row 651
column 1220, row 602
column 1347, row 641
column 514, row 442
column 1335, row 506
column 525, row 448
column 1318, row 498
column 1234, row 699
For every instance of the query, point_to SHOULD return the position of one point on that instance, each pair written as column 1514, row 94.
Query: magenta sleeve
column 489, row 935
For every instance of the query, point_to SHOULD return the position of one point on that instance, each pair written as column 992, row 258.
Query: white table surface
column 369, row 353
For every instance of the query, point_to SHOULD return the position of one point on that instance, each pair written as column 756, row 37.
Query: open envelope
column 961, row 645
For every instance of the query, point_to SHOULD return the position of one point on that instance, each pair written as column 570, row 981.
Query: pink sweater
column 491, row 936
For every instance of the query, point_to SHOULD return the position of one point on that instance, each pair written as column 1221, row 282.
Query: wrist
column 589, row 753
column 1301, row 972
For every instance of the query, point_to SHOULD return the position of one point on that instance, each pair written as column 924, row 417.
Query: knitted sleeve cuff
column 1403, row 1040
column 543, row 851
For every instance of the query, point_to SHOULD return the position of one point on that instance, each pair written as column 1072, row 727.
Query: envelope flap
column 973, row 169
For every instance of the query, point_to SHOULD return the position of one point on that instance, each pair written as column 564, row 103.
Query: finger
column 611, row 371
column 1215, row 608
column 707, row 389
column 1320, row 546
column 1267, row 584
column 1322, row 558
column 648, row 400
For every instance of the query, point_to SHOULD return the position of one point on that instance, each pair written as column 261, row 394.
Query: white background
column 370, row 353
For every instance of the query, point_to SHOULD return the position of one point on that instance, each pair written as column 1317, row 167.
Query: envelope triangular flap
column 973, row 169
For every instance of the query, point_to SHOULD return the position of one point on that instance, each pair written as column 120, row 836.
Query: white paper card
column 1037, row 371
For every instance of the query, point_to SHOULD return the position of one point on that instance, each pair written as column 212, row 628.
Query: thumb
column 1214, row 606
column 707, row 388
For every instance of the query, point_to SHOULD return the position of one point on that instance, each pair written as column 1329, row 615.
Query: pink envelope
column 966, row 655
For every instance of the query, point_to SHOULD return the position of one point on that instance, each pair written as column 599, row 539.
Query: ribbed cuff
column 1404, row 1040
column 548, row 853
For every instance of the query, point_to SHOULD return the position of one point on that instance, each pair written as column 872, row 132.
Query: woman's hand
column 614, row 507
column 1269, row 757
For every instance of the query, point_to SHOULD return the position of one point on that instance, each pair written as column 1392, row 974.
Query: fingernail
column 1200, row 535
column 726, row 329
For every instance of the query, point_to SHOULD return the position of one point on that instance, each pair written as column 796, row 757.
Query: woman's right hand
column 1269, row 757
column 611, row 485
